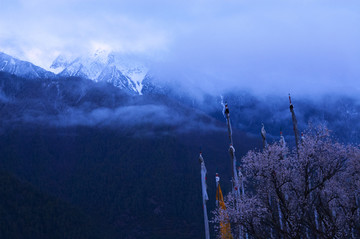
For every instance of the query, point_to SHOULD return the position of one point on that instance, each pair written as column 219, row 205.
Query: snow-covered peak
column 123, row 71
column 20, row 68
column 60, row 63
column 103, row 65
column 132, row 68
column 100, row 55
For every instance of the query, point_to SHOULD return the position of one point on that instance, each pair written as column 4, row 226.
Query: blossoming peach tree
column 311, row 192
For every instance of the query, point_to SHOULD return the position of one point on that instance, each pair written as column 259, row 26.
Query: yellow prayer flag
column 225, row 229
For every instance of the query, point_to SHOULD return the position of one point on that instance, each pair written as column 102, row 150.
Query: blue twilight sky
column 274, row 46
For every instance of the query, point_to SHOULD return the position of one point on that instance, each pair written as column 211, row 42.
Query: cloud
column 38, row 30
column 264, row 46
column 140, row 120
column 272, row 49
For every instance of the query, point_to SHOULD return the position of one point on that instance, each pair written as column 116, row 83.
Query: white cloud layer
column 266, row 46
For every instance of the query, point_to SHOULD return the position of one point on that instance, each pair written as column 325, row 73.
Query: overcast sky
column 265, row 46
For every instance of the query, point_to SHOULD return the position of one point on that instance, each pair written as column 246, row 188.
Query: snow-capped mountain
column 20, row 68
column 121, row 71
column 60, row 63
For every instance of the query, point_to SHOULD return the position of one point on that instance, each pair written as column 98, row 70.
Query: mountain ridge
column 99, row 67
column 21, row 68
column 341, row 114
column 105, row 67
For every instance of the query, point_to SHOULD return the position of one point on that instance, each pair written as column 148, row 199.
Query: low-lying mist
column 79, row 102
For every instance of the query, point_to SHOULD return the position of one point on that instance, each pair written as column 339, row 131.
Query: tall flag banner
column 282, row 140
column 217, row 180
column 263, row 135
column 282, row 144
column 232, row 153
column 204, row 195
column 241, row 183
column 225, row 229
column 242, row 194
column 296, row 131
column 302, row 137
